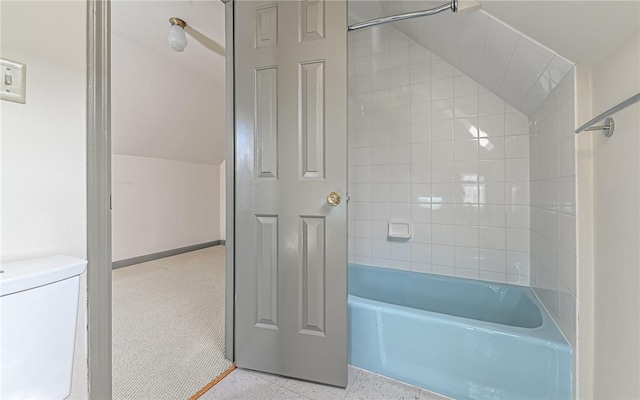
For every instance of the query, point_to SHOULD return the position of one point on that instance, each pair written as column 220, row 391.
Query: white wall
column 223, row 201
column 583, row 354
column 162, row 205
column 44, row 142
column 429, row 145
column 617, row 228
column 168, row 128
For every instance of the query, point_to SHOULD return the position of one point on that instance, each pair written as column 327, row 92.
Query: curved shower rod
column 453, row 6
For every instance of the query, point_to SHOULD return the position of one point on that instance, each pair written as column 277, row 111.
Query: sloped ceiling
column 165, row 104
column 582, row 31
column 177, row 112
column 585, row 32
column 505, row 58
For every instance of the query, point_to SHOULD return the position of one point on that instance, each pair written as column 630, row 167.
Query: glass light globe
column 177, row 38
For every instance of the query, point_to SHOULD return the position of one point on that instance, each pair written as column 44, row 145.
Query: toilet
column 38, row 314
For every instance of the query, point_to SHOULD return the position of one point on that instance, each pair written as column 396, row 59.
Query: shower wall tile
column 506, row 62
column 430, row 146
column 553, row 206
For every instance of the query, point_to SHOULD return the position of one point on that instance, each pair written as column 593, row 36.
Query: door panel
column 266, row 272
column 313, row 283
column 311, row 115
column 291, row 257
column 266, row 126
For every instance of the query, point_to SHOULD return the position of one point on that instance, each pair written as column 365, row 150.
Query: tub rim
column 547, row 332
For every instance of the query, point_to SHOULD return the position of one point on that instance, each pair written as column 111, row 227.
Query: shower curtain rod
column 609, row 124
column 453, row 6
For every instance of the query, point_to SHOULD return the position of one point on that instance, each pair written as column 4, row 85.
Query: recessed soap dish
column 400, row 230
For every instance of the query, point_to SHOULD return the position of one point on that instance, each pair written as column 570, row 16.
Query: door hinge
column 110, row 202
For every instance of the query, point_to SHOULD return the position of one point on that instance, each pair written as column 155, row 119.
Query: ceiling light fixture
column 177, row 37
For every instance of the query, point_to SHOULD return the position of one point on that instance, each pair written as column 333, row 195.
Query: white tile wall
column 429, row 145
column 553, row 206
column 522, row 71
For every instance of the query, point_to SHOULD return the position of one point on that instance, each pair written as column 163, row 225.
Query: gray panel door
column 291, row 122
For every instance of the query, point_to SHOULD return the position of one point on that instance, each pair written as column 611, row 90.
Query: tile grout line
column 355, row 379
column 282, row 387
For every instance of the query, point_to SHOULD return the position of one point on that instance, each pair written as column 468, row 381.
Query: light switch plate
column 13, row 77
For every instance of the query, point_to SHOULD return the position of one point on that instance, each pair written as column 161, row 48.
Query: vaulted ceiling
column 582, row 31
column 526, row 51
column 165, row 104
column 177, row 112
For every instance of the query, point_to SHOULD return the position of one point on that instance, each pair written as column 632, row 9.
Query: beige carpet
column 168, row 325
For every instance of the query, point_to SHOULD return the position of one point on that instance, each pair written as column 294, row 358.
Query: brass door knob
column 333, row 198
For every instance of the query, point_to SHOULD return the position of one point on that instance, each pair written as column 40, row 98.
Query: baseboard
column 163, row 254
column 223, row 242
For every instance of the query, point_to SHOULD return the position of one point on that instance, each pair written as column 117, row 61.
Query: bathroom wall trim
column 230, row 182
column 162, row 254
column 99, row 199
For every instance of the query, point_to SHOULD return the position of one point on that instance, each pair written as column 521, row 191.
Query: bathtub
column 461, row 338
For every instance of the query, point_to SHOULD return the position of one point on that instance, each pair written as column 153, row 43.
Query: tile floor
column 362, row 385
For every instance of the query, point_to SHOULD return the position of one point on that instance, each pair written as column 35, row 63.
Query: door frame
column 99, row 306
column 99, row 199
column 230, row 182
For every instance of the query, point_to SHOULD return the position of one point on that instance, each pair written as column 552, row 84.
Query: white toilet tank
column 38, row 312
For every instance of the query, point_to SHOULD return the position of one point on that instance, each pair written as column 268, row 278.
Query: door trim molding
column 98, row 198
column 230, row 168
column 99, row 307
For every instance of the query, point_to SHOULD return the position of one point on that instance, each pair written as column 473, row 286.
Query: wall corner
column 584, row 237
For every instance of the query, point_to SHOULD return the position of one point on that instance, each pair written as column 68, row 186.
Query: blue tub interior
column 462, row 338
column 483, row 301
